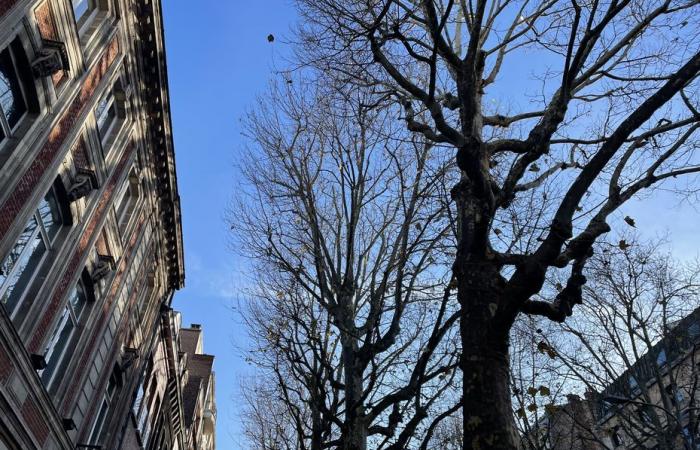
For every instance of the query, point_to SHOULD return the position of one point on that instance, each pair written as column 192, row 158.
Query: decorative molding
column 104, row 266
column 51, row 60
column 84, row 183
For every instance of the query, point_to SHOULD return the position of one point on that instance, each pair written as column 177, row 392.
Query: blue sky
column 218, row 61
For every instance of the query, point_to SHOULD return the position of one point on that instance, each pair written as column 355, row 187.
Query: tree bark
column 356, row 432
column 488, row 414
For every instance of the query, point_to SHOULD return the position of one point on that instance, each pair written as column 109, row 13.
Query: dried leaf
column 544, row 390
column 270, row 38
column 630, row 221
column 623, row 245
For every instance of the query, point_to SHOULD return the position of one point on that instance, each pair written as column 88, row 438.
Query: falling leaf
column 270, row 38
column 623, row 245
column 630, row 221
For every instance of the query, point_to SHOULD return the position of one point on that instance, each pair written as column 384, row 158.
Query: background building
column 90, row 230
column 652, row 405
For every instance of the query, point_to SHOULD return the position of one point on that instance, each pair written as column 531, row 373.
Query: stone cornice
column 156, row 98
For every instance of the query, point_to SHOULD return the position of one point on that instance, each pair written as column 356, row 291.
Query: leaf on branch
column 497, row 231
column 532, row 407
column 550, row 408
column 270, row 38
column 521, row 412
column 630, row 221
column 623, row 245
column 544, row 390
column 418, row 226
column 559, row 287
column 532, row 391
column 534, row 168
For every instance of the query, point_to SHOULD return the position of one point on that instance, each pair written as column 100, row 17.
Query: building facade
column 90, row 230
column 653, row 405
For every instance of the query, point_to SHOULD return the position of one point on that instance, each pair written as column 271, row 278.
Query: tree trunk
column 355, row 436
column 487, row 411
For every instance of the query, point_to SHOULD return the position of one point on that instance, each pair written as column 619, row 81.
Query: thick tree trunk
column 487, row 411
column 355, row 436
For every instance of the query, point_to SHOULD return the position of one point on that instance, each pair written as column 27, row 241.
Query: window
column 107, row 401
column 128, row 197
column 617, row 438
column 82, row 9
column 89, row 17
column 674, row 394
column 106, row 113
column 21, row 265
column 109, row 115
column 62, row 334
column 643, row 415
column 661, row 358
column 17, row 97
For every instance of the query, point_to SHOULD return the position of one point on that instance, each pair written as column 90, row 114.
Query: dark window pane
column 11, row 99
column 49, row 212
column 77, row 300
column 26, row 266
column 106, row 112
column 16, row 251
column 59, row 340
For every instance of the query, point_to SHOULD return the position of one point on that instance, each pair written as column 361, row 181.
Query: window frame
column 56, row 333
column 47, row 238
column 106, row 403
column 8, row 131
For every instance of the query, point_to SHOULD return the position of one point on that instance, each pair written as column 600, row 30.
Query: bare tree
column 293, row 402
column 345, row 216
column 612, row 112
column 635, row 343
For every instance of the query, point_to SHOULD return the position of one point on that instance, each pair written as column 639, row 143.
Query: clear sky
column 218, row 60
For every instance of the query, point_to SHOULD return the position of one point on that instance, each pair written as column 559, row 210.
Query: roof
column 200, row 370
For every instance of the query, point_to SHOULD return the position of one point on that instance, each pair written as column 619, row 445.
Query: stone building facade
column 90, row 230
column 653, row 405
